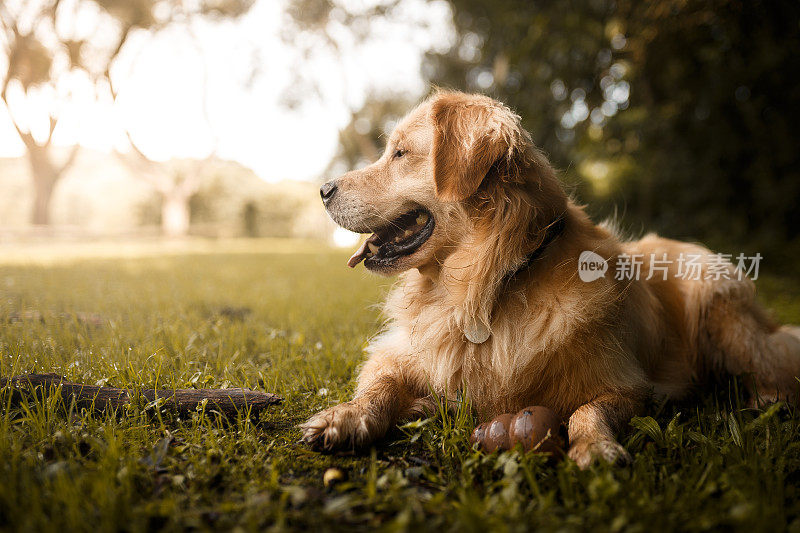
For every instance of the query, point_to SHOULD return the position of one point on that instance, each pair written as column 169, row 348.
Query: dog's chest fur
column 536, row 337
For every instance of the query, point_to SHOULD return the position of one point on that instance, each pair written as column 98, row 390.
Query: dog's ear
column 471, row 133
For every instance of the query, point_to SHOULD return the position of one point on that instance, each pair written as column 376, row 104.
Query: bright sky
column 160, row 79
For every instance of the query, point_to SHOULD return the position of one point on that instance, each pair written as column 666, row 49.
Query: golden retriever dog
column 490, row 304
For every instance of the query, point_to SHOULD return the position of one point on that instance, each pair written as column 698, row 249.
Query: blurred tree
column 684, row 112
column 542, row 58
column 179, row 180
column 681, row 112
column 716, row 87
column 362, row 140
column 250, row 219
column 338, row 32
column 175, row 182
column 46, row 48
column 322, row 29
column 40, row 57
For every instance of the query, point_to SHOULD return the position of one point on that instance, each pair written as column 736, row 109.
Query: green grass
column 295, row 324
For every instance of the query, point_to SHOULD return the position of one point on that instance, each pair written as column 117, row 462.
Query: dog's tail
column 789, row 337
column 785, row 344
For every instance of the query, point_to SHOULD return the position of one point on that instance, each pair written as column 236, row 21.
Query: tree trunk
column 45, row 176
column 175, row 214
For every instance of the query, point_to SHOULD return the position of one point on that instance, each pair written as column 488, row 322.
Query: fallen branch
column 229, row 402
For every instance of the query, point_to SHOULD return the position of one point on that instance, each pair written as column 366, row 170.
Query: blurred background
column 126, row 120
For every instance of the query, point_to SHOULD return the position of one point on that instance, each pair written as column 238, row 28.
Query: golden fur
column 591, row 351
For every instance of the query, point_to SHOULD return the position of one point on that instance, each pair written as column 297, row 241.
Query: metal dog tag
column 477, row 332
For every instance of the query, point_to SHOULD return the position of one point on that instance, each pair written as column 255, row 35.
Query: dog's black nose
column 327, row 190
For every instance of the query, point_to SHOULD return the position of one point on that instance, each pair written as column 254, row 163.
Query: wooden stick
column 229, row 402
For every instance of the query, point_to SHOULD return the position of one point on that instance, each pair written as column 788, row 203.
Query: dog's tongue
column 357, row 257
column 362, row 251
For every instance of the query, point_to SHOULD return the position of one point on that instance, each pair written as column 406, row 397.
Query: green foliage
column 225, row 8
column 29, row 61
column 142, row 13
column 538, row 57
column 295, row 324
column 230, row 200
column 48, row 54
column 131, row 13
column 705, row 143
column 362, row 140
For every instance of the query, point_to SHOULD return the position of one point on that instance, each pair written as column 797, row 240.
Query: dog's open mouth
column 401, row 237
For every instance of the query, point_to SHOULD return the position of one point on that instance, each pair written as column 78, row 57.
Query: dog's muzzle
column 327, row 191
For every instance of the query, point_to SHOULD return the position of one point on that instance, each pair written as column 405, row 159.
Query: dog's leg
column 388, row 391
column 362, row 420
column 744, row 341
column 593, row 425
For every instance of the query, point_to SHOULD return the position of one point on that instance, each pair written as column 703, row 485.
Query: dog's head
column 452, row 167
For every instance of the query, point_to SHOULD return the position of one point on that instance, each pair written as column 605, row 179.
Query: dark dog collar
column 554, row 229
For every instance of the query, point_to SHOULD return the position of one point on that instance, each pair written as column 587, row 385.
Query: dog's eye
column 399, row 153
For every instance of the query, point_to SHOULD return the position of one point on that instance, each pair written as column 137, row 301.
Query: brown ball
column 496, row 436
column 533, row 428
column 536, row 428
column 479, row 433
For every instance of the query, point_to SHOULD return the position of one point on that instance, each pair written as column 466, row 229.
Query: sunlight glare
column 344, row 238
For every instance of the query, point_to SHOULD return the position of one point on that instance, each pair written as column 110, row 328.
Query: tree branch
column 53, row 123
column 229, row 402
column 26, row 137
column 8, row 22
column 143, row 167
column 70, row 159
column 144, row 161
column 6, row 81
column 11, row 27
column 123, row 38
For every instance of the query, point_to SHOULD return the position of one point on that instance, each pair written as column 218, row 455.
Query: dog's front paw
column 583, row 452
column 343, row 426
